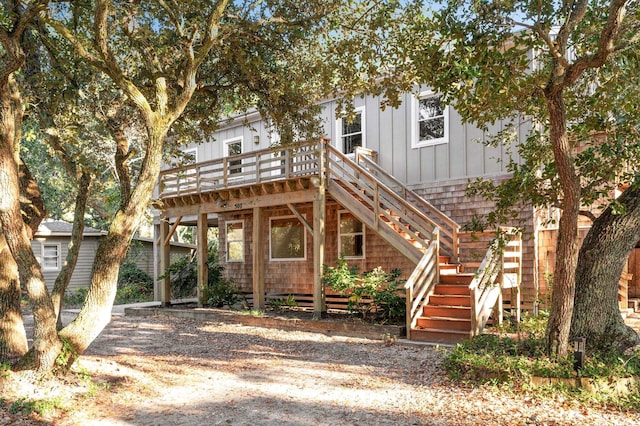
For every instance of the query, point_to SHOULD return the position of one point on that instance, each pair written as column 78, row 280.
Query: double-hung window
column 233, row 147
column 51, row 257
column 351, row 131
column 351, row 236
column 431, row 120
column 235, row 241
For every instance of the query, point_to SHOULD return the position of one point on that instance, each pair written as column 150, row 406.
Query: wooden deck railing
column 421, row 283
column 500, row 269
column 449, row 229
column 243, row 169
column 371, row 198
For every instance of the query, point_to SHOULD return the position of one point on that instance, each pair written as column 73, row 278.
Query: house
column 385, row 189
column 50, row 245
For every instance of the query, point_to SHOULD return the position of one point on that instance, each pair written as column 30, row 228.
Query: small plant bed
column 515, row 361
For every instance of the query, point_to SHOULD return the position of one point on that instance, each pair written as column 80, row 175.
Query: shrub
column 372, row 294
column 134, row 285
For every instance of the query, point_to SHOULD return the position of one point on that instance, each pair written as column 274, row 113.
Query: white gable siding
column 389, row 133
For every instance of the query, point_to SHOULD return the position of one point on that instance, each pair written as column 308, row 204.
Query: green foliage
column 76, row 298
column 281, row 304
column 184, row 276
column 512, row 362
column 43, row 407
column 134, row 285
column 373, row 294
column 220, row 293
column 219, row 290
column 66, row 357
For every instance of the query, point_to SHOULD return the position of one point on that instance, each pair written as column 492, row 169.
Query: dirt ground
column 169, row 371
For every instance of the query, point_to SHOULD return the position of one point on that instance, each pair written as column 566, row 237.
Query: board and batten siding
column 389, row 133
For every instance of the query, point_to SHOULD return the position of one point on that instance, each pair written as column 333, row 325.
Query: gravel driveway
column 170, row 371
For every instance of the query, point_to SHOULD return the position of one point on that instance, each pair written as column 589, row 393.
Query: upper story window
column 287, row 239
column 51, row 257
column 235, row 241
column 190, row 156
column 351, row 132
column 351, row 236
column 233, row 147
column 431, row 120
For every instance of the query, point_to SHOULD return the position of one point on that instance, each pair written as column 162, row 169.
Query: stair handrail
column 361, row 172
column 421, row 283
column 448, row 226
column 494, row 275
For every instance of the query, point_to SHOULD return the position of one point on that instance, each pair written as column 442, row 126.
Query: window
column 233, row 147
column 190, row 156
column 431, row 121
column 351, row 236
column 351, row 132
column 51, row 257
column 235, row 241
column 287, row 239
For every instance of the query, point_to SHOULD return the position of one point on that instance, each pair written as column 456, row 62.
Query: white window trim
column 59, row 260
column 304, row 247
column 340, row 235
column 415, row 124
column 226, row 144
column 191, row 151
column 226, row 236
column 363, row 127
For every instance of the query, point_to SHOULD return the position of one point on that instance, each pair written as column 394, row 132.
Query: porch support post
column 319, row 220
column 203, row 254
column 165, row 246
column 258, row 261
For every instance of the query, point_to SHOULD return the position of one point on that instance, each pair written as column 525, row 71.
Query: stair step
column 452, row 289
column 445, row 323
column 449, row 268
column 461, row 312
column 449, row 300
column 439, row 336
column 444, row 259
column 456, row 278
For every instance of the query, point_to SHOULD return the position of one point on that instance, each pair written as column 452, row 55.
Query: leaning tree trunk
column 603, row 255
column 13, row 338
column 46, row 344
column 96, row 310
column 64, row 277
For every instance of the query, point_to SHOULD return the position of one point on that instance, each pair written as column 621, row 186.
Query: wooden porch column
column 203, row 254
column 258, row 261
column 165, row 246
column 319, row 219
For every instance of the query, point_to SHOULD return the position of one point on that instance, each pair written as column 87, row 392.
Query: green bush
column 75, row 299
column 134, row 285
column 499, row 359
column 372, row 294
column 219, row 290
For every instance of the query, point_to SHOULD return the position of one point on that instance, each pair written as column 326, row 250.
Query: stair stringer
column 368, row 217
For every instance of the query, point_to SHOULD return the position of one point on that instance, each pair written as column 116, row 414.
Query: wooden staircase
column 444, row 304
column 446, row 318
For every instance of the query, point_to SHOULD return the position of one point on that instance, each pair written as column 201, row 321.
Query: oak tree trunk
column 96, row 310
column 13, row 338
column 602, row 257
column 567, row 246
column 46, row 344
column 64, row 277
